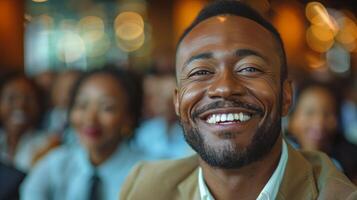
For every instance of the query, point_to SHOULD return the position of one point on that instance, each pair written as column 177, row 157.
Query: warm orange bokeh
column 184, row 12
column 11, row 34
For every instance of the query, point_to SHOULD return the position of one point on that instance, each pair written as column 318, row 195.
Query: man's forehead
column 232, row 28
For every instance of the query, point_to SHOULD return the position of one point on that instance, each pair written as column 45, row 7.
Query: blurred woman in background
column 104, row 111
column 20, row 112
column 313, row 122
column 314, row 125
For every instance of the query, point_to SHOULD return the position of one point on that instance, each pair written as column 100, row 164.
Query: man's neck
column 243, row 183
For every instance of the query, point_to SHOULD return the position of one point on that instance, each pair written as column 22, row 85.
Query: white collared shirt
column 269, row 191
column 65, row 174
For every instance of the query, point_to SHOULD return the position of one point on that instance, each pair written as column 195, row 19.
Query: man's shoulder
column 312, row 175
column 158, row 179
column 168, row 169
column 326, row 173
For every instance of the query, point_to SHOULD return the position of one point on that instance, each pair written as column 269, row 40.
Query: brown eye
column 200, row 73
column 249, row 71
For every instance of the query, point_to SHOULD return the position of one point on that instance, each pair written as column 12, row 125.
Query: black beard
column 233, row 156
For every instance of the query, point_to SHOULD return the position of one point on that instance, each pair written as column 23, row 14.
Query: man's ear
column 287, row 97
column 176, row 102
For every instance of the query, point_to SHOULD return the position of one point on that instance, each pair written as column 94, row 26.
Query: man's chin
column 226, row 158
column 228, row 154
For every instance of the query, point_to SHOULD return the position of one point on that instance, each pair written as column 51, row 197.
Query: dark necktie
column 95, row 187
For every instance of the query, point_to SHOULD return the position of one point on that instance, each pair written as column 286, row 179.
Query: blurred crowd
column 64, row 132
column 63, row 129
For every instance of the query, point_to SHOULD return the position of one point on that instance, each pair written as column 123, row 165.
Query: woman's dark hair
column 130, row 81
column 15, row 75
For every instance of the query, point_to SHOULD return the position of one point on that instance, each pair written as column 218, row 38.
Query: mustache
column 224, row 104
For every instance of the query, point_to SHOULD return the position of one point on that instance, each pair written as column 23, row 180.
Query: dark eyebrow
column 239, row 53
column 205, row 55
column 247, row 52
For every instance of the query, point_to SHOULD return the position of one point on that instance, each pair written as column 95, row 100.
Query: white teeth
column 223, row 117
column 209, row 120
column 245, row 118
column 236, row 116
column 230, row 117
column 218, row 118
column 241, row 116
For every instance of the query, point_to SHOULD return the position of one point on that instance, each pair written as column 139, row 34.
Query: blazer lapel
column 298, row 181
column 188, row 188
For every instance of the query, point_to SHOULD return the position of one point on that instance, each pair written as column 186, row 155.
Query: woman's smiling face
column 100, row 112
column 314, row 121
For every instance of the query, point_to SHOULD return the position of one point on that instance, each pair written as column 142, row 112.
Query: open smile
column 229, row 119
column 222, row 118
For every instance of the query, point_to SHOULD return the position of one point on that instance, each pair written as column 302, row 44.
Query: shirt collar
column 108, row 166
column 269, row 191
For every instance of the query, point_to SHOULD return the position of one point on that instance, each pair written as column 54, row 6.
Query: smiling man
column 232, row 90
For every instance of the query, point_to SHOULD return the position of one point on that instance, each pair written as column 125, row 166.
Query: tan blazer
column 308, row 175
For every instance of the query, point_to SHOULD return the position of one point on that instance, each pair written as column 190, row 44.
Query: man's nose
column 225, row 85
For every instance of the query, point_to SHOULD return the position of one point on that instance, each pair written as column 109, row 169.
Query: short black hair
column 130, row 81
column 234, row 7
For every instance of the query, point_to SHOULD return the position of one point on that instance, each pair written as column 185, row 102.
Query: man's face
column 230, row 97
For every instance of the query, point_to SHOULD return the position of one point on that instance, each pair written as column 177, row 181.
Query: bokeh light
column 91, row 28
column 338, row 59
column 131, row 45
column 317, row 14
column 129, row 25
column 319, row 39
column 39, row 1
column 129, row 29
column 315, row 61
column 70, row 47
column 348, row 33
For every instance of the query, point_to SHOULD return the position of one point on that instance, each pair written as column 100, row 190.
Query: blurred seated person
column 60, row 94
column 313, row 122
column 104, row 110
column 56, row 119
column 20, row 112
column 10, row 180
column 161, row 135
